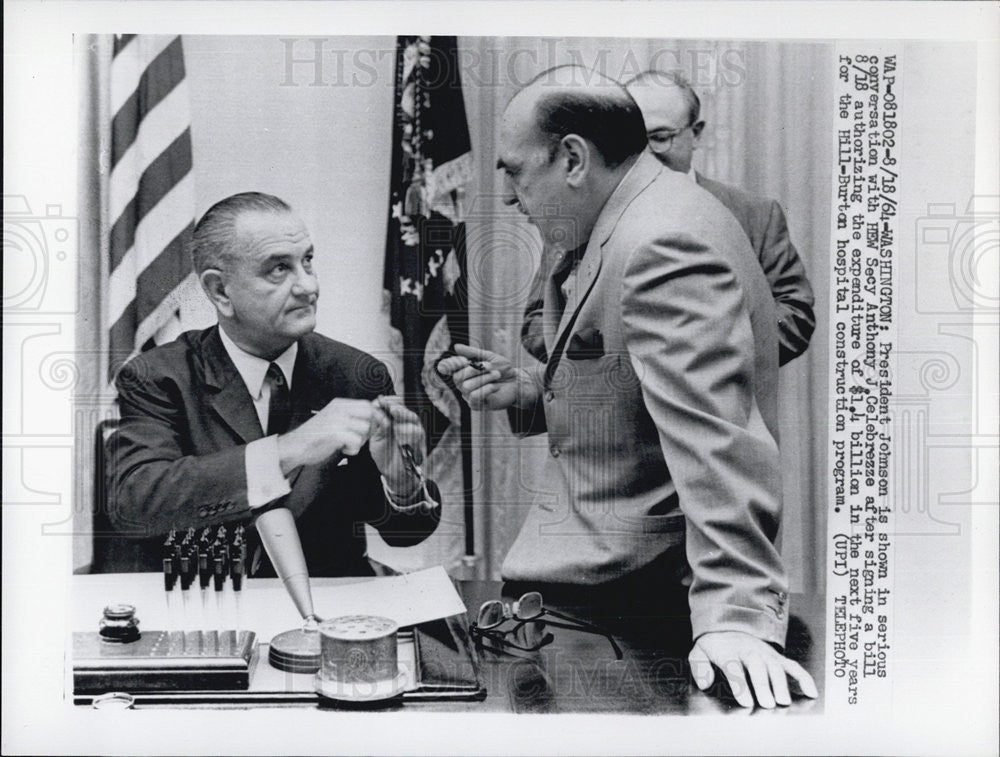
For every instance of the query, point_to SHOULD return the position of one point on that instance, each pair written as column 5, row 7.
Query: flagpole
column 469, row 512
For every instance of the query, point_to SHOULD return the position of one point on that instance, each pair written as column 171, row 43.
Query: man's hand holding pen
column 341, row 428
column 344, row 426
column 397, row 427
column 487, row 379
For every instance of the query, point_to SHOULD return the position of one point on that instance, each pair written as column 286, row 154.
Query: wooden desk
column 577, row 672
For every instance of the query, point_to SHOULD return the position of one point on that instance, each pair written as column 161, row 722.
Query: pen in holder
column 297, row 650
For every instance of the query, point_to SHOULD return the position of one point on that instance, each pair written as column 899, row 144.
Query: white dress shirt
column 265, row 481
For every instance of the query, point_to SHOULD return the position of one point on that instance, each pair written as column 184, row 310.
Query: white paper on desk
column 408, row 599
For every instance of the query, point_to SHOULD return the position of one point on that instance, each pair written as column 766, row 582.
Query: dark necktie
column 561, row 271
column 279, row 411
column 280, row 407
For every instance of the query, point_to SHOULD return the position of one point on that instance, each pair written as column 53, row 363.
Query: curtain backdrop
column 768, row 112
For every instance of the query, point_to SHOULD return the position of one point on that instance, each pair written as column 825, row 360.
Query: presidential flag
column 425, row 286
column 151, row 202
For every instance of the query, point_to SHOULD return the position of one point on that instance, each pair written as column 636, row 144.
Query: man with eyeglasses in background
column 672, row 112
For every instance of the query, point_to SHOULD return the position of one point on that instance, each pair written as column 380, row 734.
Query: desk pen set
column 203, row 646
column 206, row 656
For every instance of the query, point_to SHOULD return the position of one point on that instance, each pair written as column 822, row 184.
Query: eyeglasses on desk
column 530, row 607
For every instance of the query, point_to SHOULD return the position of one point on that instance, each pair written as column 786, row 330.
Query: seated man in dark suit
column 259, row 411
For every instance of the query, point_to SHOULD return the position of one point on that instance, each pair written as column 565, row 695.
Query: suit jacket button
column 549, row 395
column 555, row 451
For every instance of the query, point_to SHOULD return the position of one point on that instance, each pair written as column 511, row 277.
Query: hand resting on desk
column 734, row 651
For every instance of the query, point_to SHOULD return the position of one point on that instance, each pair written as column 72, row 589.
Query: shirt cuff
column 769, row 624
column 265, row 482
column 421, row 499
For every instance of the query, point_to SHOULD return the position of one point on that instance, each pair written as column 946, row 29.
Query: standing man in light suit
column 659, row 392
column 671, row 111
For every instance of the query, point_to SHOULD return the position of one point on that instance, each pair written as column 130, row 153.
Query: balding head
column 672, row 111
column 666, row 81
column 566, row 141
column 574, row 100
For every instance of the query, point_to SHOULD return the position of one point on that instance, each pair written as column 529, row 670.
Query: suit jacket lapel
column 579, row 285
column 231, row 402
column 550, row 310
column 641, row 174
column 311, row 390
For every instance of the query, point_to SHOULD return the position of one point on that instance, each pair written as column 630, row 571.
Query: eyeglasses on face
column 530, row 607
column 661, row 140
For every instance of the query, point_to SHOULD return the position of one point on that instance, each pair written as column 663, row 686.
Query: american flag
column 425, row 284
column 151, row 201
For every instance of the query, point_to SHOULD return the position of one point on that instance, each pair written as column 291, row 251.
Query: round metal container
column 295, row 651
column 358, row 649
column 358, row 660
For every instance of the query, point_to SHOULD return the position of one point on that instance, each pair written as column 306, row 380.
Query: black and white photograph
column 371, row 390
